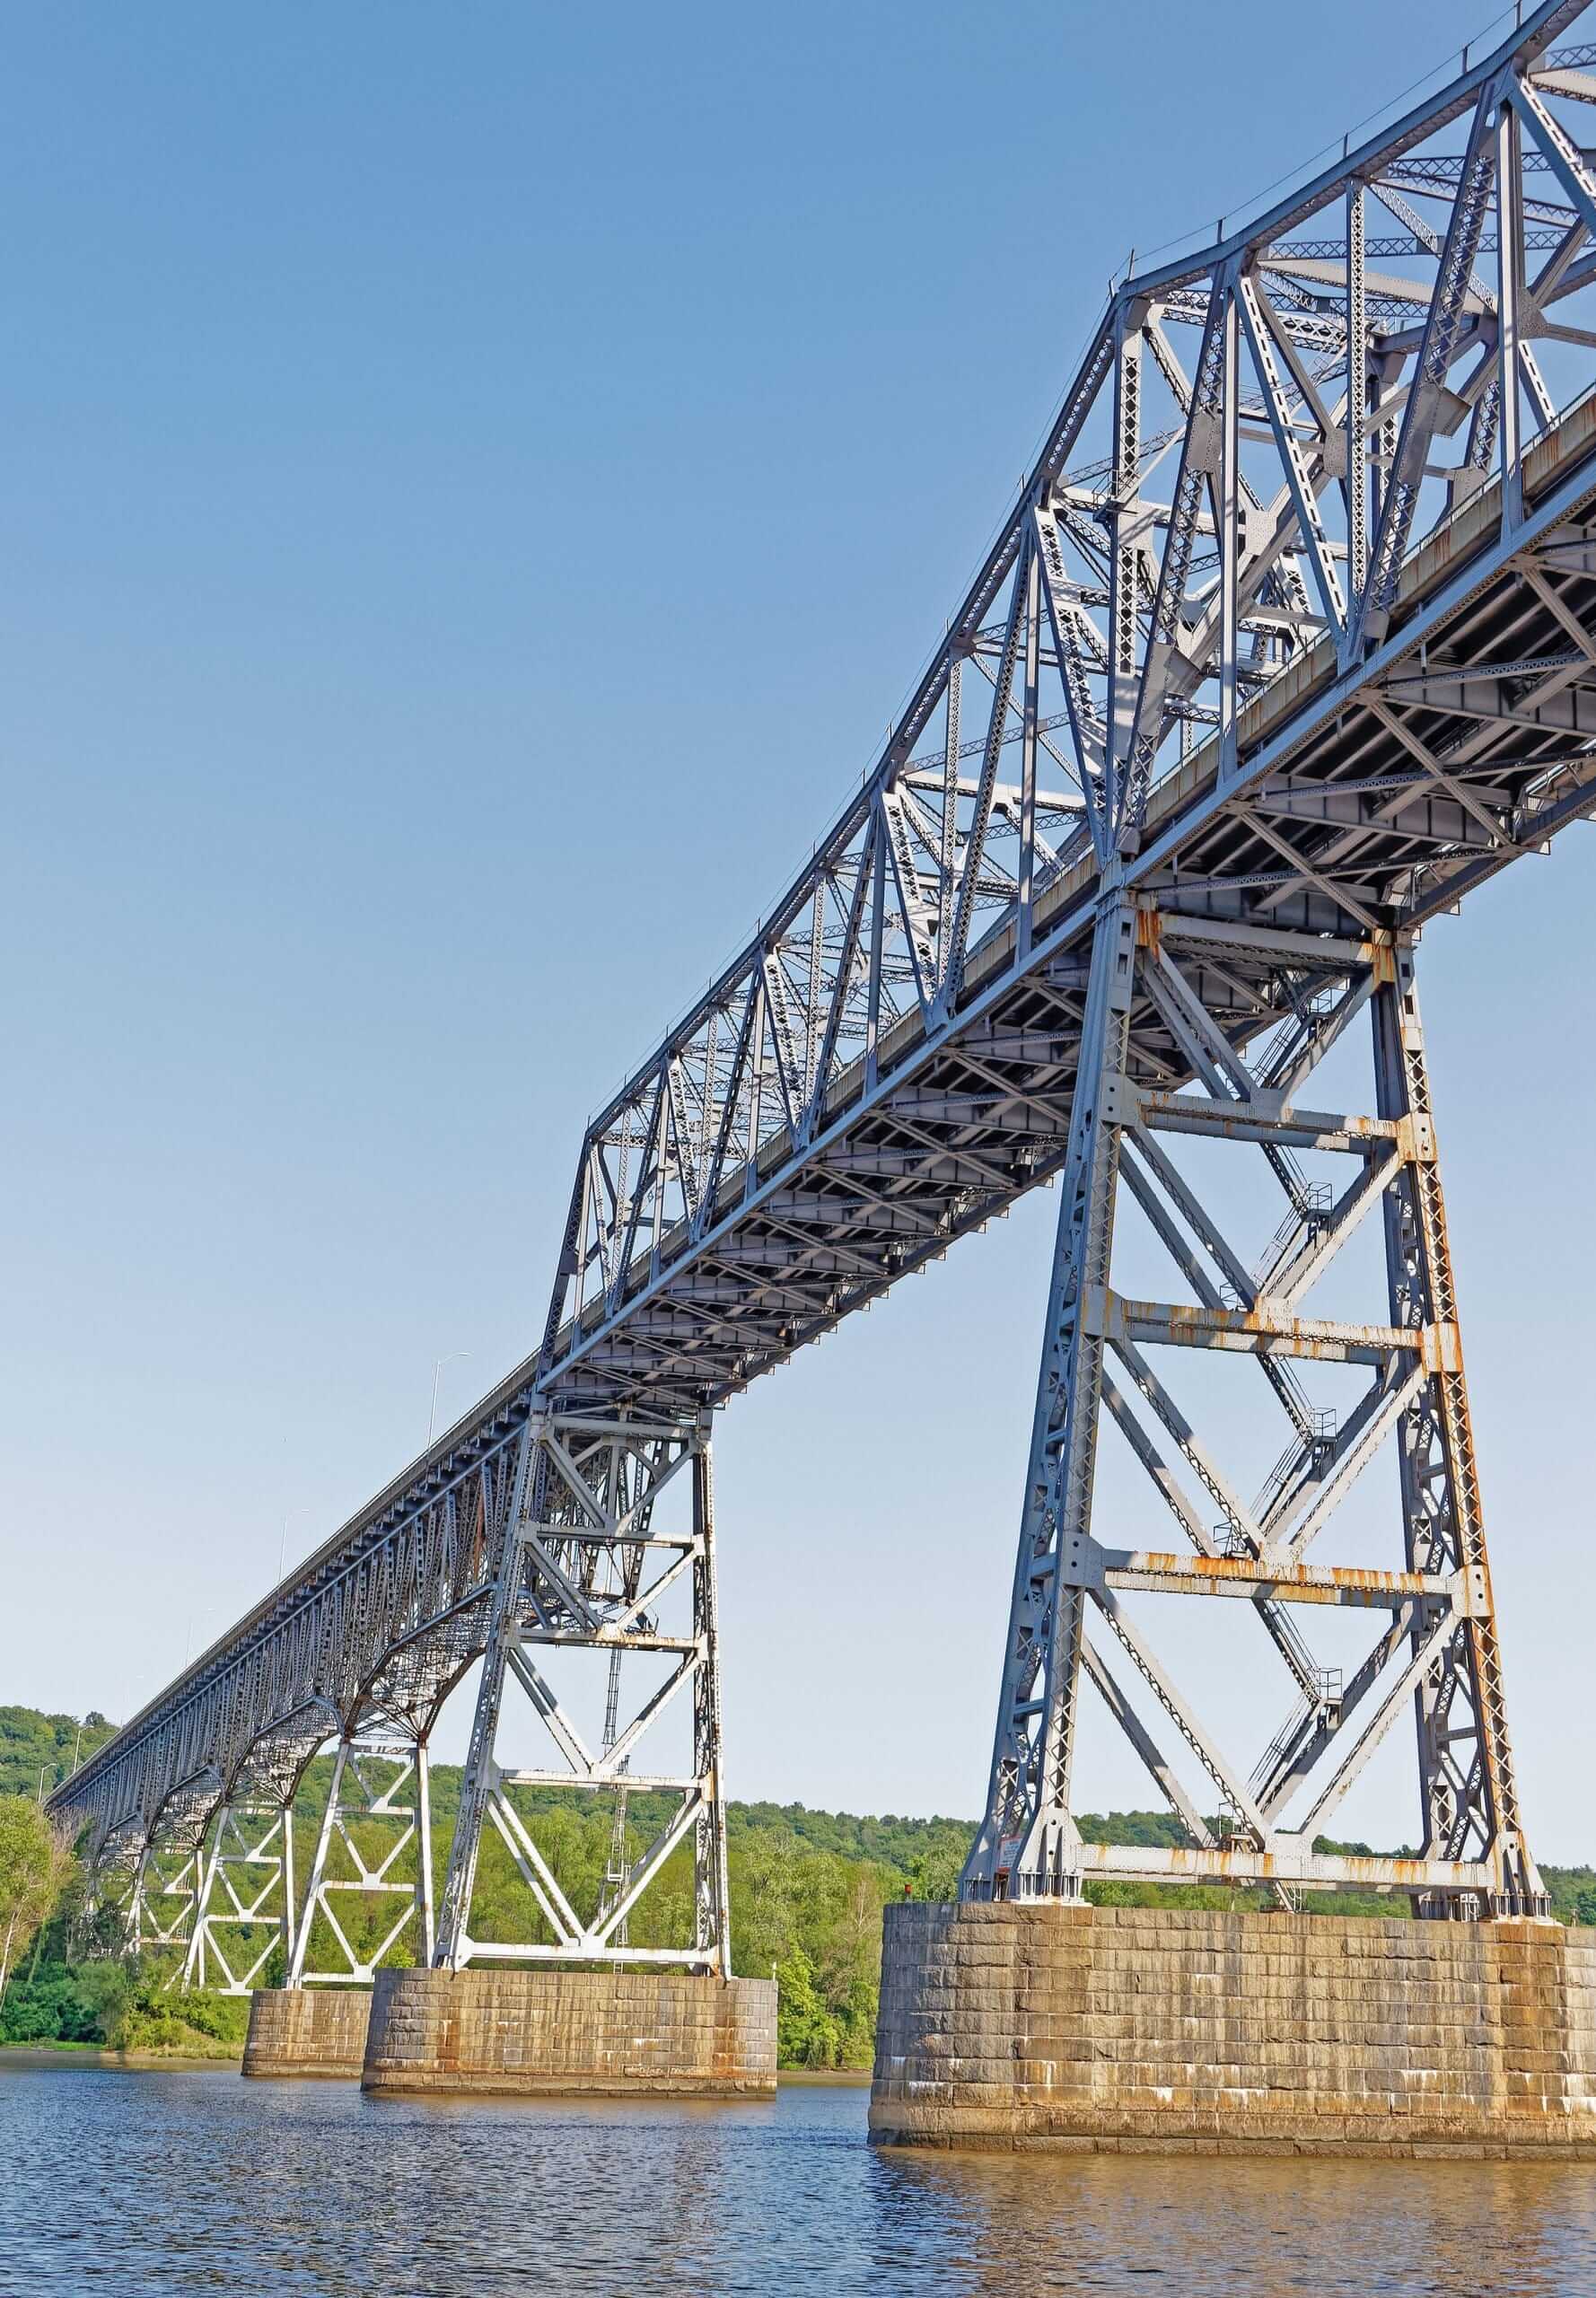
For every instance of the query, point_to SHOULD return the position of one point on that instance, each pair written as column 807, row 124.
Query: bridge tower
column 1250, row 1013
column 373, row 1847
column 609, row 1562
column 157, row 1910
column 244, row 1906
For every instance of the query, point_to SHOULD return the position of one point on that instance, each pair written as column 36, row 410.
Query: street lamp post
column 282, row 1543
column 432, row 1417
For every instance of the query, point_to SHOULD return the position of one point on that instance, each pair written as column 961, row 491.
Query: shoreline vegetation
column 807, row 1891
column 68, row 2054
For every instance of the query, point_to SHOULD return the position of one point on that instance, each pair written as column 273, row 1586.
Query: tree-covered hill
column 807, row 1888
column 35, row 1746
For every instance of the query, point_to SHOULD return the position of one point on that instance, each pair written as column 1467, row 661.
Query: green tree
column 806, row 2034
column 34, row 1864
column 32, row 1744
column 934, row 1874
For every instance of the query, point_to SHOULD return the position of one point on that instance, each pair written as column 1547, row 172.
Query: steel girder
column 1290, row 623
column 386, row 1624
column 1437, row 1651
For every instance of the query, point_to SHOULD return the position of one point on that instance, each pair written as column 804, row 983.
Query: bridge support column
column 376, row 1826
column 160, row 1907
column 1253, row 1012
column 610, row 1855
column 995, row 2012
column 369, row 1887
column 611, row 1560
column 244, row 1911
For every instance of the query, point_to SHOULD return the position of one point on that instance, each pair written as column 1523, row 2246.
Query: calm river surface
column 133, row 2182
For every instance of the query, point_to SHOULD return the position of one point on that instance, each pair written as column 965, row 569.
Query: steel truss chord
column 1441, row 1649
column 611, row 1556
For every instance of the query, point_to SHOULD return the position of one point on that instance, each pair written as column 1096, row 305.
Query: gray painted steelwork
column 1285, row 646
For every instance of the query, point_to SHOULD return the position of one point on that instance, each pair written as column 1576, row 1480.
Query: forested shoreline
column 807, row 1891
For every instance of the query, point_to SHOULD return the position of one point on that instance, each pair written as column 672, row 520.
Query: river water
column 128, row 2182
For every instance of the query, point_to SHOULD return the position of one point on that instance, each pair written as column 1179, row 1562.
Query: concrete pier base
column 614, row 2033
column 1153, row 2030
column 308, row 2031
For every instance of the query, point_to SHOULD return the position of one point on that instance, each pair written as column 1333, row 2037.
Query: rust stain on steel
column 1264, row 1865
column 1228, row 1118
column 1180, row 1315
column 1263, row 1571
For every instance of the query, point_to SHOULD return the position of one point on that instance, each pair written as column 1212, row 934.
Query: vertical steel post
column 1469, row 1789
column 426, row 1919
column 1357, row 397
column 290, row 1909
column 296, row 1962
column 478, row 1777
column 1510, row 282
column 1228, row 538
column 1027, row 1827
column 711, row 1894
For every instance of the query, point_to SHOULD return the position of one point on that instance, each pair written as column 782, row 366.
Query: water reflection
column 135, row 2183
column 1097, row 2223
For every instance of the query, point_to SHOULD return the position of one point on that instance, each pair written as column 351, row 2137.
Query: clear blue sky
column 474, row 483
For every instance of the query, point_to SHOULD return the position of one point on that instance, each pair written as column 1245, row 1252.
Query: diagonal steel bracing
column 1439, row 1655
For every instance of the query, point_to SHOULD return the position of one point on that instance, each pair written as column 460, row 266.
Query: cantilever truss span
column 1287, row 640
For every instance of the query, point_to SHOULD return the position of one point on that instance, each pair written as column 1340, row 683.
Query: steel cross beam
column 1289, row 626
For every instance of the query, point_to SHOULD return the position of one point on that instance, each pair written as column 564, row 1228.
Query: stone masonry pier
column 615, row 2033
column 1156, row 2029
column 308, row 2031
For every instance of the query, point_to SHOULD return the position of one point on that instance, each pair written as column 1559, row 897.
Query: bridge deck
column 970, row 1112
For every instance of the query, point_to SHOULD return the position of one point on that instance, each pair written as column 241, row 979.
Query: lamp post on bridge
column 282, row 1542
column 454, row 1355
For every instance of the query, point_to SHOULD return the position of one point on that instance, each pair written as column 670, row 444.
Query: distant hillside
column 924, row 1854
column 31, row 1744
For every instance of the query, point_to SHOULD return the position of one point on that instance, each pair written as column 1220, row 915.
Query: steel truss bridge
column 1287, row 645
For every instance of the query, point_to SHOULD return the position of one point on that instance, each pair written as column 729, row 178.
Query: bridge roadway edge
column 1111, row 2030
column 554, row 2032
